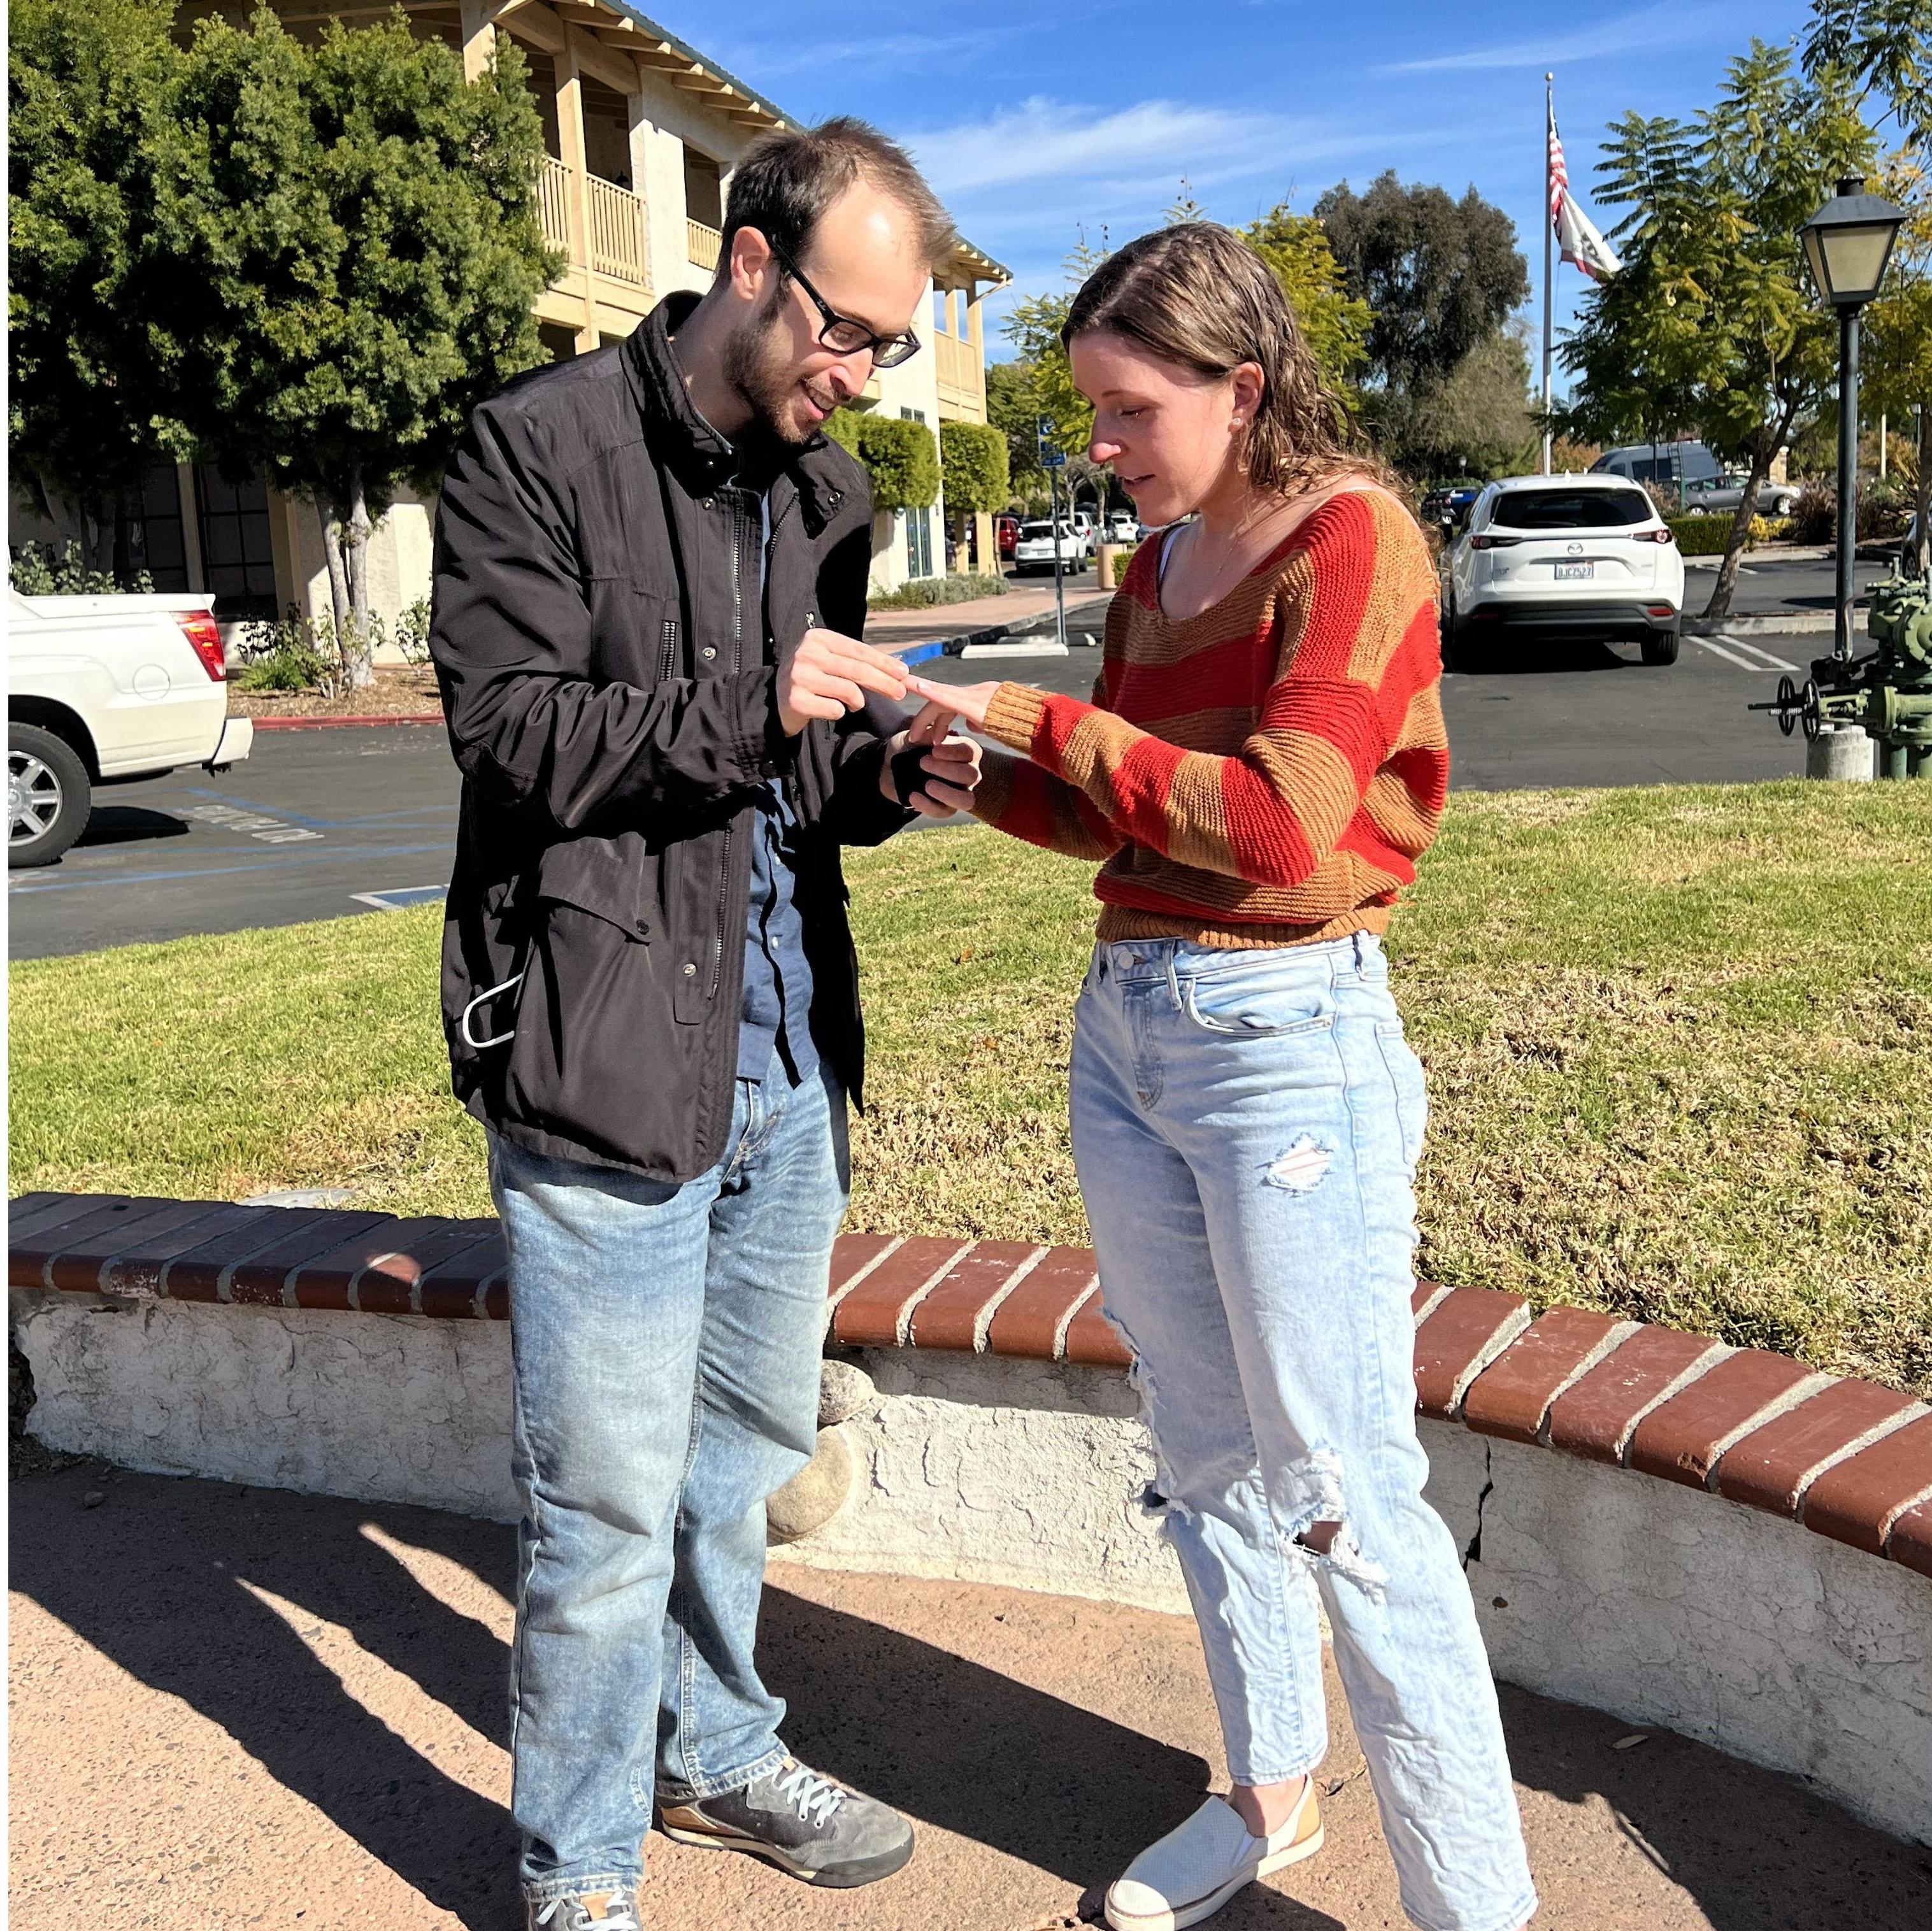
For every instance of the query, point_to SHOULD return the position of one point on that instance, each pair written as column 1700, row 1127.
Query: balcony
column 615, row 217
column 702, row 244
column 961, row 376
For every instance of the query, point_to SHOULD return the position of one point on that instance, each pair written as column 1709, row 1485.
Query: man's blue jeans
column 667, row 1342
column 1246, row 1126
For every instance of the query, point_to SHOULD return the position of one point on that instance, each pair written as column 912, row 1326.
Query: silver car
column 1727, row 491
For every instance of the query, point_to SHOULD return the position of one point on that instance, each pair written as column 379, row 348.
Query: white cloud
column 1042, row 140
column 1637, row 33
column 887, row 53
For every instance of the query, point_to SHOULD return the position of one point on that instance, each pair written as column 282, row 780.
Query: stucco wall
column 1664, row 1604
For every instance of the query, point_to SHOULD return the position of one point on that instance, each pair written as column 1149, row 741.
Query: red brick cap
column 1510, row 1397
column 1772, row 1466
column 1593, row 1417
column 1682, row 1439
column 1680, row 1403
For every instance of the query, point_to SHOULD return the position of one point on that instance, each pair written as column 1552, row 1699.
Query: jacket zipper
column 737, row 658
column 668, row 657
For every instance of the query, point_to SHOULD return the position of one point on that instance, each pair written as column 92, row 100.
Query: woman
column 1262, row 763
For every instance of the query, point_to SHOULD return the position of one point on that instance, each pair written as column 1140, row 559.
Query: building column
column 570, row 139
column 479, row 37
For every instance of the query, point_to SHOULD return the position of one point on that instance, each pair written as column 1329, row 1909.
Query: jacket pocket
column 607, row 877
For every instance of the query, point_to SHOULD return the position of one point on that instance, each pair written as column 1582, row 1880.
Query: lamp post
column 1847, row 246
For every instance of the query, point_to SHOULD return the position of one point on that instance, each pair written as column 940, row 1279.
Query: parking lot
column 320, row 823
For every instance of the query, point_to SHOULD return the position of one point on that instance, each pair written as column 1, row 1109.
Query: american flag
column 1582, row 246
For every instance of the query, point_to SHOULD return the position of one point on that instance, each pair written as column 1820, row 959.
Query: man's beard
column 758, row 370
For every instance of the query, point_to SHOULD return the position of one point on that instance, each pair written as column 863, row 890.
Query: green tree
column 359, row 223
column 899, row 456
column 1335, row 322
column 1478, row 420
column 1013, row 409
column 88, row 302
column 1886, row 47
column 1439, row 276
column 1712, row 322
column 1896, row 358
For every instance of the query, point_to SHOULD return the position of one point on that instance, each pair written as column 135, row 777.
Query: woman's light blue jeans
column 1246, row 1126
column 666, row 1342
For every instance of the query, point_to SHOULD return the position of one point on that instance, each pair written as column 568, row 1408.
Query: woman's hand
column 967, row 702
column 935, row 775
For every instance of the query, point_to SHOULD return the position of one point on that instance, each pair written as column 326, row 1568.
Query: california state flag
column 1576, row 234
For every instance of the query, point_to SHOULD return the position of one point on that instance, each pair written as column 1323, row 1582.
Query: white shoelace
column 815, row 1797
column 619, row 1915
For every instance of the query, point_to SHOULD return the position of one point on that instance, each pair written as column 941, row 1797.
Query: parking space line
column 1718, row 650
column 1757, row 650
column 295, row 862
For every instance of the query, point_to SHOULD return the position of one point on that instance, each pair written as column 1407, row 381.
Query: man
column 650, row 574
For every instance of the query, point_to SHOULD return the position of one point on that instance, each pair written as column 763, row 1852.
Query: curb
column 1781, row 625
column 338, row 723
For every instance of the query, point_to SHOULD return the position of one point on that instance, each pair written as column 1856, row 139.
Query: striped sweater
column 1264, row 774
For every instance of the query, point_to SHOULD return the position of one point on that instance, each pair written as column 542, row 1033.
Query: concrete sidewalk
column 247, row 1708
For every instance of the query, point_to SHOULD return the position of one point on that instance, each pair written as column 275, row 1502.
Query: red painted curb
column 337, row 724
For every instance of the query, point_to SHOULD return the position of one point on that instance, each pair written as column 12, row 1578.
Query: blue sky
column 1032, row 120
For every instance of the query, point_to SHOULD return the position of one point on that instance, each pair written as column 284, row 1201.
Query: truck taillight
column 199, row 627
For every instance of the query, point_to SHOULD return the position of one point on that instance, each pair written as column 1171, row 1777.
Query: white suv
column 102, row 689
column 1572, row 556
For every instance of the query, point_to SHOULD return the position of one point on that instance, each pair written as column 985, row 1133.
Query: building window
column 704, row 189
column 918, row 523
column 238, row 557
column 155, row 542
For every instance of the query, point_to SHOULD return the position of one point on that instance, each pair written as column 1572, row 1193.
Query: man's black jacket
column 600, row 649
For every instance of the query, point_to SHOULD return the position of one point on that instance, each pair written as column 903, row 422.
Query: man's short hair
column 789, row 178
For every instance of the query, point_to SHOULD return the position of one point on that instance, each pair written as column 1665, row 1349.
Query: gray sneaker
column 805, row 1824
column 600, row 1910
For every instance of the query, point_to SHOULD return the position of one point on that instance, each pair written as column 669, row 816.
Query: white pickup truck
column 102, row 690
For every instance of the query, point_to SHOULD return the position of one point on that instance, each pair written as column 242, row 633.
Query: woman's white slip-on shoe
column 1196, row 1868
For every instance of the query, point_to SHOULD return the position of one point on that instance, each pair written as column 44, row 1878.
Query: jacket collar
column 695, row 452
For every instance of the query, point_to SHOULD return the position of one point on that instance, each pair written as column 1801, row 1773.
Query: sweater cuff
column 994, row 797
column 1013, row 716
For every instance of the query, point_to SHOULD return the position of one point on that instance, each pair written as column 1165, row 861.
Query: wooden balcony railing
column 553, row 204
column 616, row 244
column 961, row 376
column 702, row 245
column 617, row 232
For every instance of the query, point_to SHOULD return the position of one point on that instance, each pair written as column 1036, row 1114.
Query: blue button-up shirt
column 777, row 1009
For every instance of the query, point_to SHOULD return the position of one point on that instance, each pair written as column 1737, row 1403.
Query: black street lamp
column 1847, row 245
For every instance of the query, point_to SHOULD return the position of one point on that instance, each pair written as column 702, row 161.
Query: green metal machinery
column 1889, row 692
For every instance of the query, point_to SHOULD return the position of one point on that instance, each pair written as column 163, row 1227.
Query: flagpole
column 1548, row 308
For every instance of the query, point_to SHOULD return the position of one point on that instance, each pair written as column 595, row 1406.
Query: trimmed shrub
column 899, row 456
column 1706, row 532
column 972, row 460
column 923, row 592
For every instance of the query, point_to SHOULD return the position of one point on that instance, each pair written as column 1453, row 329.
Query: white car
column 1571, row 555
column 102, row 690
column 1038, row 548
column 1123, row 528
column 1726, row 492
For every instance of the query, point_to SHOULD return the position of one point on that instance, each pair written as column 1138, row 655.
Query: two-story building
column 641, row 134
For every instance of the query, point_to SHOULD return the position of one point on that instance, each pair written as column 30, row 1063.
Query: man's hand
column 829, row 675
column 938, row 774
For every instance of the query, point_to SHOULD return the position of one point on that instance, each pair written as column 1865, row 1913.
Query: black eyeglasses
column 844, row 335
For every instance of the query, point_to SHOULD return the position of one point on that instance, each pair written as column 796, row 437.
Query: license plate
column 1575, row 573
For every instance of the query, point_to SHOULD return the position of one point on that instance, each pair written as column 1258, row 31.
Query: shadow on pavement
column 127, row 824
column 164, row 1583
column 1518, row 657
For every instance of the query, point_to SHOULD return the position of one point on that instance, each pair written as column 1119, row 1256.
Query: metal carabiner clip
column 482, row 998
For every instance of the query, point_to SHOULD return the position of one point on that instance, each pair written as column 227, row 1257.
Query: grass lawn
column 1679, row 1044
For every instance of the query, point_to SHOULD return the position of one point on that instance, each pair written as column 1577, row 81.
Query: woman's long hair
column 1197, row 295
